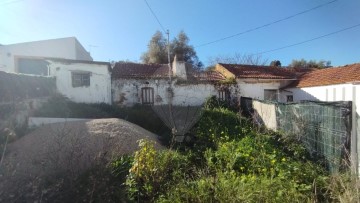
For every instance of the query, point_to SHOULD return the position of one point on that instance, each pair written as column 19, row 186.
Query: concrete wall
column 127, row 92
column 67, row 48
column 341, row 92
column 100, row 81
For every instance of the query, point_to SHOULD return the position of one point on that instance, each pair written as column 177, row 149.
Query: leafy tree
column 179, row 46
column 156, row 49
column 275, row 63
column 302, row 63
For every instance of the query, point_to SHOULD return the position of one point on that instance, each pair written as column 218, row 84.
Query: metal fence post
column 354, row 140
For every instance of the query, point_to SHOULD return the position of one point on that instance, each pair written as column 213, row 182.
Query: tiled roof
column 330, row 76
column 259, row 72
column 137, row 70
column 209, row 76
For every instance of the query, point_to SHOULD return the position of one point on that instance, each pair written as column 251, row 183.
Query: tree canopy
column 179, row 46
column 275, row 63
column 302, row 63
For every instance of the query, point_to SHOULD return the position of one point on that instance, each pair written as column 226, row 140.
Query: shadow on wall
column 298, row 95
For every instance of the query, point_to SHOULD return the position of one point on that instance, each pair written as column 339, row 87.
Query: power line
column 309, row 40
column 157, row 19
column 266, row 25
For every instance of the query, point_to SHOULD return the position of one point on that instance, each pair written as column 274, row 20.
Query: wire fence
column 323, row 127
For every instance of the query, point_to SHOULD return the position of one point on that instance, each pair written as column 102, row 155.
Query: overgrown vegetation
column 230, row 160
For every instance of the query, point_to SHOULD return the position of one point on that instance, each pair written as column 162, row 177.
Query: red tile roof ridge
column 330, row 76
column 259, row 71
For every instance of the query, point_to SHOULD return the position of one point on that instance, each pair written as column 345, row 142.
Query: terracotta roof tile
column 209, row 76
column 330, row 76
column 259, row 72
column 137, row 70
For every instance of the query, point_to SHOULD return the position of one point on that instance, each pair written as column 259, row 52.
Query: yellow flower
column 273, row 161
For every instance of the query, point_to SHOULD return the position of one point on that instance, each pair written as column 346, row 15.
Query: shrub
column 230, row 187
column 152, row 172
column 220, row 124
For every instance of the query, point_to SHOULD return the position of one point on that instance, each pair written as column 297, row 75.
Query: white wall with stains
column 255, row 88
column 99, row 90
column 127, row 92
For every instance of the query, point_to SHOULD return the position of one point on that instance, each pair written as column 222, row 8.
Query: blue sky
column 121, row 30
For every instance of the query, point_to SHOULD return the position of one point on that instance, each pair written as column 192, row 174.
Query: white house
column 81, row 81
column 22, row 57
column 258, row 82
column 150, row 84
column 333, row 84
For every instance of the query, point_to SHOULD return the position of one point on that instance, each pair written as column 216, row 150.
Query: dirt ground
column 65, row 148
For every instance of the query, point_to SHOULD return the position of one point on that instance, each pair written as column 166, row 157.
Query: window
column 80, row 79
column 32, row 66
column 270, row 95
column 289, row 98
column 147, row 95
column 224, row 95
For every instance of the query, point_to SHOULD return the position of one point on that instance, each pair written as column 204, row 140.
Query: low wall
column 15, row 114
column 39, row 121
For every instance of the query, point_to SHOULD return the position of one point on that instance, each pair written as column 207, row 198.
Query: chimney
column 179, row 69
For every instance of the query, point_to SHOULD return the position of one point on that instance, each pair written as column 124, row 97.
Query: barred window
column 80, row 79
column 224, row 95
column 147, row 95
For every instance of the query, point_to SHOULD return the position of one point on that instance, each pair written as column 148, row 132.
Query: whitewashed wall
column 341, row 92
column 67, row 48
column 127, row 92
column 255, row 88
column 100, row 81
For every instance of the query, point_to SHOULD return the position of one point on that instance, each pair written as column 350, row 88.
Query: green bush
column 153, row 172
column 220, row 124
column 230, row 187
column 231, row 161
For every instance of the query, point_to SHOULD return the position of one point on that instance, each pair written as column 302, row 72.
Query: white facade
column 255, row 88
column 339, row 92
column 98, row 89
column 66, row 48
column 128, row 92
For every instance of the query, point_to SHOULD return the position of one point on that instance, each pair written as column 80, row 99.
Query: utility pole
column 168, row 50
